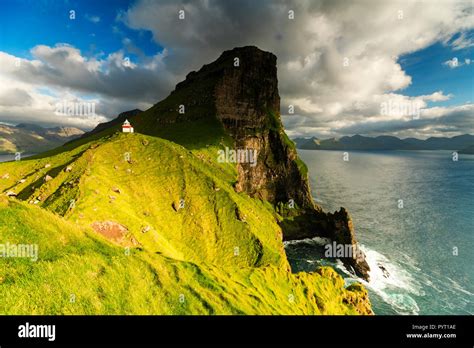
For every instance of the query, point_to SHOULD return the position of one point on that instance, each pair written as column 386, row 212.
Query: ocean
column 413, row 213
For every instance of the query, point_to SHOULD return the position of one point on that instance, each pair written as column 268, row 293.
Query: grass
column 80, row 272
column 220, row 254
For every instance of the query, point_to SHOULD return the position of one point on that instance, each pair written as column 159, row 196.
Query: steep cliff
column 201, row 235
column 234, row 102
column 240, row 89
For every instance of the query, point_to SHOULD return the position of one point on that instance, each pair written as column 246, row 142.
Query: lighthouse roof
column 126, row 123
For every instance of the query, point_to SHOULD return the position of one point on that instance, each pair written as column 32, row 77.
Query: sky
column 403, row 68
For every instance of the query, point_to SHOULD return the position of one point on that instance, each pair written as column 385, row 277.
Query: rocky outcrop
column 242, row 85
column 241, row 89
column 115, row 232
column 248, row 105
column 341, row 230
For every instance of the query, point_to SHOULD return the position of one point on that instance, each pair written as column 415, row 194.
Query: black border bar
column 244, row 330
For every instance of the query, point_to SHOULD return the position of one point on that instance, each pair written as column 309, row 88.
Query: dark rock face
column 247, row 92
column 247, row 103
column 243, row 87
column 341, row 230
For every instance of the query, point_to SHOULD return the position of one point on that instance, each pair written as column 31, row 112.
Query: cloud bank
column 338, row 62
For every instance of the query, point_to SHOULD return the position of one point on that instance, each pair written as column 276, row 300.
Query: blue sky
column 95, row 29
column 82, row 59
column 427, row 70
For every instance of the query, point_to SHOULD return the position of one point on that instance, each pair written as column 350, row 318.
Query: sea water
column 413, row 213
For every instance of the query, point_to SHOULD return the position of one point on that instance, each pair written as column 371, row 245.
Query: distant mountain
column 385, row 142
column 306, row 143
column 34, row 139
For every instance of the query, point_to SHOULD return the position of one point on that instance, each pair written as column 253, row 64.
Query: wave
column 398, row 282
column 395, row 285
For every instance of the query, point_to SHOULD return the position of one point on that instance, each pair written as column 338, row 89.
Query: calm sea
column 413, row 212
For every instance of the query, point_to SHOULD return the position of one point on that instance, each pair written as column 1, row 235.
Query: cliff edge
column 234, row 102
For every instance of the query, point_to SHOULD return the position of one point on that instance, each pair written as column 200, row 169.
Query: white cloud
column 337, row 61
column 462, row 41
column 367, row 35
column 30, row 89
column 436, row 97
column 453, row 63
column 93, row 19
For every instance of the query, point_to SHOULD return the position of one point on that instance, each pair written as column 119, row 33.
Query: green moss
column 302, row 167
column 274, row 122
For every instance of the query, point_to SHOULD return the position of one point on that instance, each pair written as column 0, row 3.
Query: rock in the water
column 343, row 233
column 385, row 272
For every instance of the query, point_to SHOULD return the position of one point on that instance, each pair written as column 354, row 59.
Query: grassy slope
column 190, row 251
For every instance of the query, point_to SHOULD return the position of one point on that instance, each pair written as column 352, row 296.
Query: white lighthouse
column 127, row 127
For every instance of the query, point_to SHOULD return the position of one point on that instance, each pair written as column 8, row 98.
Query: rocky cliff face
column 241, row 89
column 248, row 105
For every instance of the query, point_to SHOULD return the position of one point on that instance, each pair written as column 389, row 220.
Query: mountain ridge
column 31, row 138
column 385, row 142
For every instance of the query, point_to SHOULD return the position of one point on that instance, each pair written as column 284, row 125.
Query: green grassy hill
column 112, row 236
column 152, row 223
